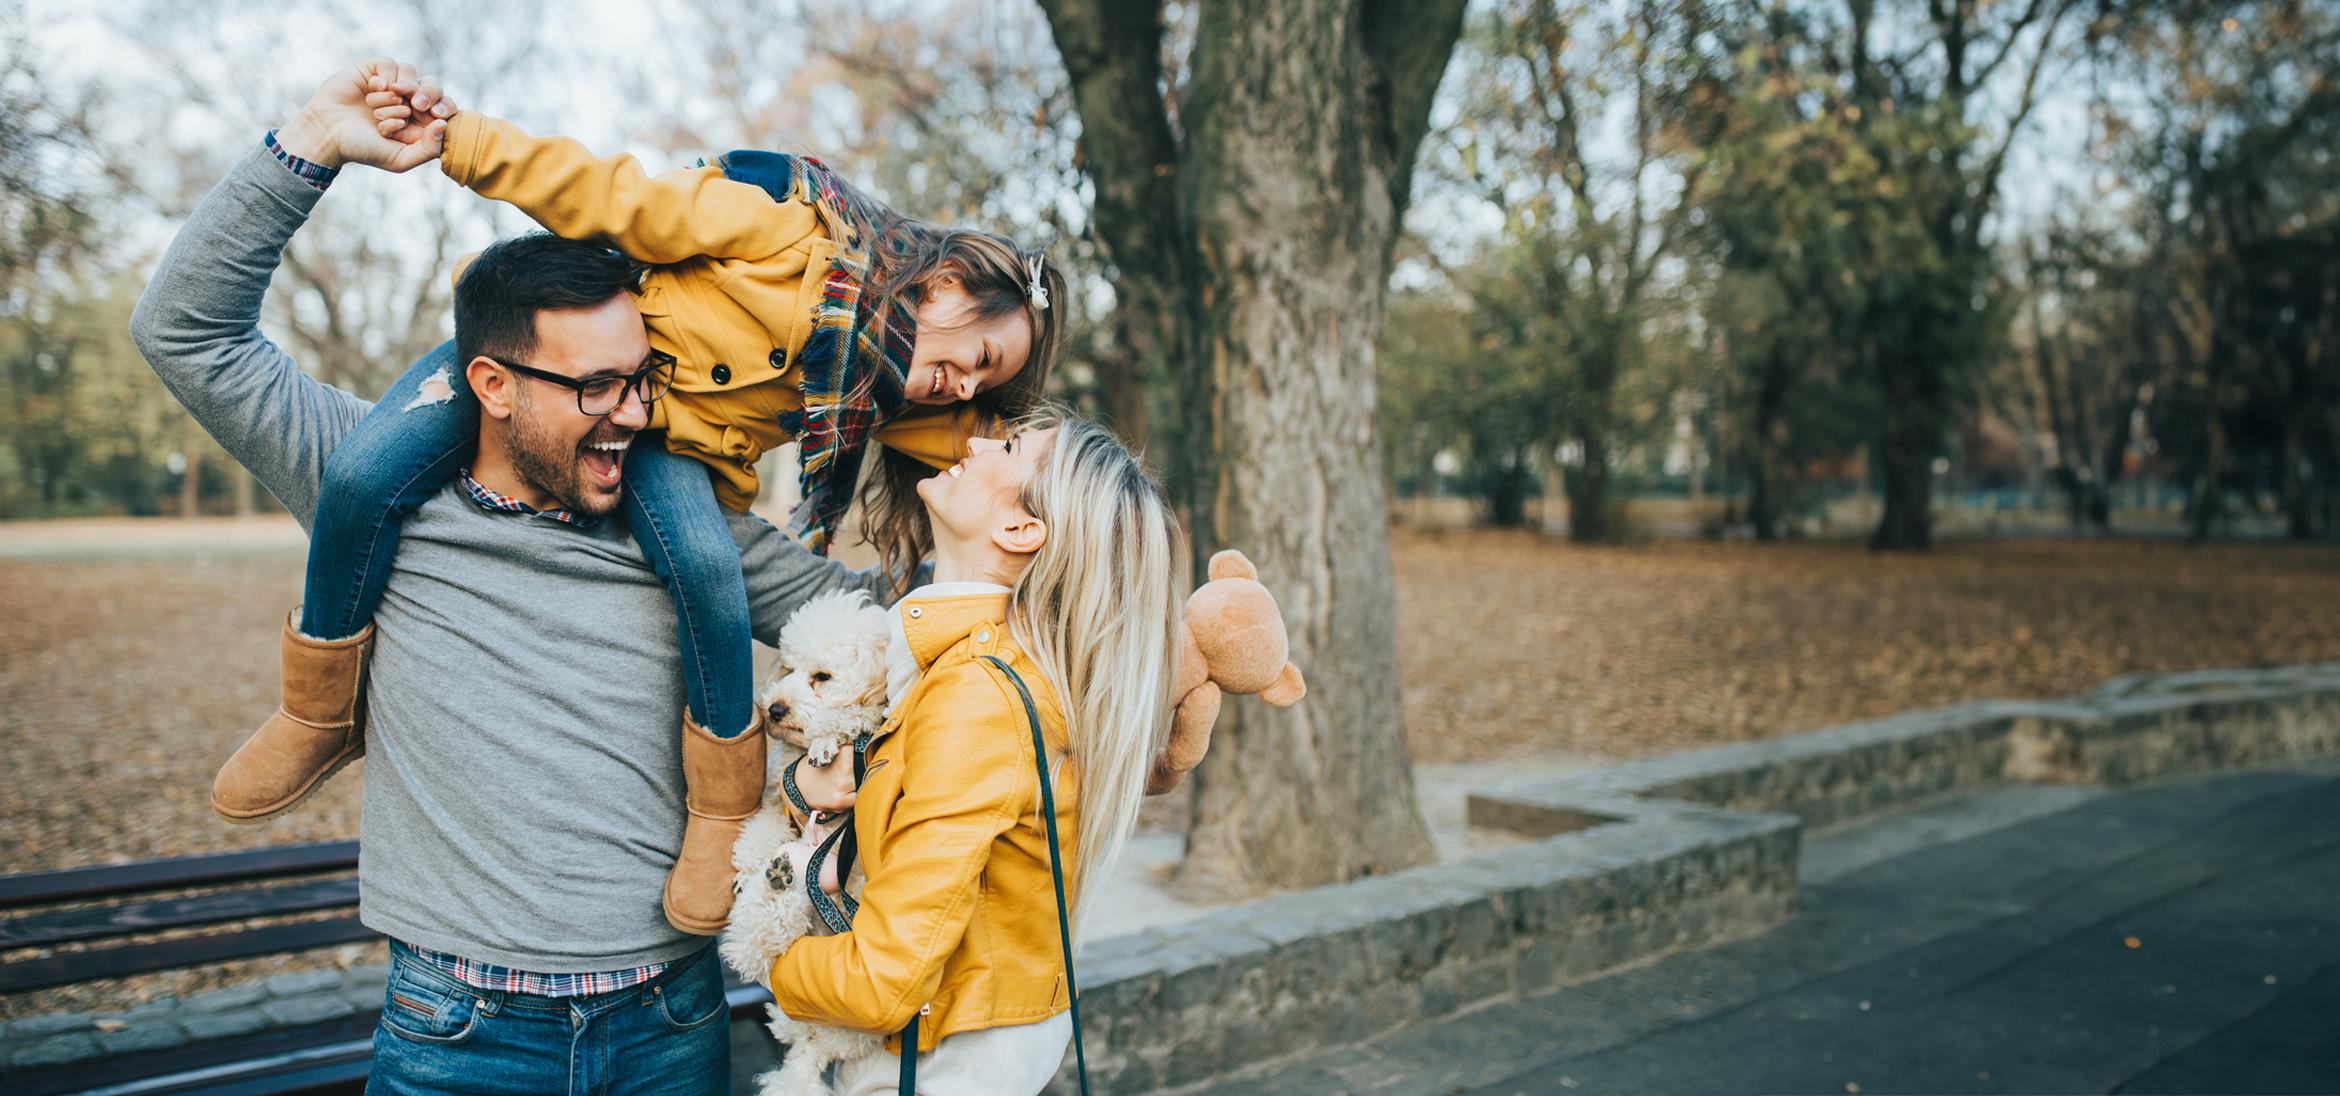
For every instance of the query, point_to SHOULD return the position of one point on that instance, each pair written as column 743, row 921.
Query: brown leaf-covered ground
column 1515, row 643
column 134, row 656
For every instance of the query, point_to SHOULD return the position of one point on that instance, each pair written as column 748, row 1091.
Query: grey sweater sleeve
column 198, row 326
column 782, row 574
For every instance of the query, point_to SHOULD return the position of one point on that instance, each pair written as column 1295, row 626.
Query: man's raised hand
column 380, row 113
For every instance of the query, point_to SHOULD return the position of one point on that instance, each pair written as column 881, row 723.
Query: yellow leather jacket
column 728, row 295
column 958, row 916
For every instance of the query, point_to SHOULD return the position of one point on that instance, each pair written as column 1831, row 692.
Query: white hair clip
column 1035, row 290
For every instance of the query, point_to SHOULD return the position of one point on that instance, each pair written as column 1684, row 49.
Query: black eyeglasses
column 599, row 396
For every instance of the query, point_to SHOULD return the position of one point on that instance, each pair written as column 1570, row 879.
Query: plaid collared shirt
column 488, row 976
column 314, row 174
column 492, row 499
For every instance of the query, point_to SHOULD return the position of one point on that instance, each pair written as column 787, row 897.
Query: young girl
column 781, row 304
column 1057, row 569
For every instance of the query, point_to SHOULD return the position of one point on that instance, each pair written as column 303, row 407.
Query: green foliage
column 77, row 412
column 1578, row 129
column 2229, row 148
column 86, row 428
column 1472, row 374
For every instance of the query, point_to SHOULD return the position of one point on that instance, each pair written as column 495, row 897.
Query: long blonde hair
column 1098, row 609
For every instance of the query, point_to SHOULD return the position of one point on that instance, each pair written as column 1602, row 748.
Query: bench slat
column 115, row 962
column 330, row 1057
column 117, row 880
column 96, row 923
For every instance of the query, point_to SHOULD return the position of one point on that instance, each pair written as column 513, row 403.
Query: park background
column 1592, row 380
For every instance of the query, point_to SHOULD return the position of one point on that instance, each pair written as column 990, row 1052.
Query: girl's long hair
column 907, row 256
column 1098, row 609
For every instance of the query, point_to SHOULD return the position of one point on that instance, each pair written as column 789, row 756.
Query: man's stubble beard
column 548, row 464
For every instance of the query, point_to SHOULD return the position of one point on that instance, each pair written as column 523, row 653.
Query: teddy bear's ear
column 1232, row 564
column 1287, row 689
column 1162, row 780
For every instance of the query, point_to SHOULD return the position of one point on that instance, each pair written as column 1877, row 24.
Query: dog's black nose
column 778, row 711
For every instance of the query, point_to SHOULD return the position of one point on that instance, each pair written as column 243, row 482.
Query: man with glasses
column 522, row 781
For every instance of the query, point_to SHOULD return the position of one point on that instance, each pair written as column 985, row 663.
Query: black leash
column 909, row 1082
column 836, row 912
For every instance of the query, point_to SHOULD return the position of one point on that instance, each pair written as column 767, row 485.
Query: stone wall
column 1633, row 861
column 1201, row 1000
column 1627, row 863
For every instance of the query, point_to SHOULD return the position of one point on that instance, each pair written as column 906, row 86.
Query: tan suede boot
column 724, row 782
column 319, row 728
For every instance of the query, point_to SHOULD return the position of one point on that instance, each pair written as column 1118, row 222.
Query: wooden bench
column 83, row 924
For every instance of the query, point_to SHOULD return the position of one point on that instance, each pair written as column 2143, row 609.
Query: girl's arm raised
column 656, row 219
column 937, row 436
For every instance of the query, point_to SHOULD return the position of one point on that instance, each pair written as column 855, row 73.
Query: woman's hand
column 352, row 119
column 827, row 787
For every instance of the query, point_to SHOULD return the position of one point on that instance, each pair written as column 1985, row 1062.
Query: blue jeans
column 437, row 1035
column 423, row 434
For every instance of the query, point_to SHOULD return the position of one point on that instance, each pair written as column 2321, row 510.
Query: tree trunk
column 1588, row 491
column 2298, row 507
column 2108, row 469
column 243, row 481
column 1270, row 232
column 2209, row 482
column 1555, row 494
column 2298, row 504
column 1905, row 453
column 1768, row 433
column 1294, row 221
column 1121, row 380
column 1507, row 491
column 1762, row 508
column 191, row 485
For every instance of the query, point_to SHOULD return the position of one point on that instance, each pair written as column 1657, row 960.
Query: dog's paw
column 780, row 874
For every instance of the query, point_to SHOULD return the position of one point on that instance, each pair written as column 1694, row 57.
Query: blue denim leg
column 676, row 1038
column 440, row 1036
column 670, row 505
column 416, row 439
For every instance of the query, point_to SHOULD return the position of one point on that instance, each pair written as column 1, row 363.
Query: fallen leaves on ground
column 126, row 681
column 1514, row 643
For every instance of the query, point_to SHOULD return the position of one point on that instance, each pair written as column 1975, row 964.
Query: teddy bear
column 1232, row 641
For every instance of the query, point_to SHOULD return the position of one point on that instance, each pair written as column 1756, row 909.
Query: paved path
column 2183, row 937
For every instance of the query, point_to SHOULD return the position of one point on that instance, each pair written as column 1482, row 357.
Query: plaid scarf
column 854, row 363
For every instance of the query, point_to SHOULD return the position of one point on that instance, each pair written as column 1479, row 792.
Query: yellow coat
column 730, row 294
column 958, row 915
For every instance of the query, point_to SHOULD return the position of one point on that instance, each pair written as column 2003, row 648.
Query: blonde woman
column 1057, row 579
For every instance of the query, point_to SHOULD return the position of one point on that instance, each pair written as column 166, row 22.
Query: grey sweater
column 524, row 792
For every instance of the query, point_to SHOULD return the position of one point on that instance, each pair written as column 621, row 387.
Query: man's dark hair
column 498, row 297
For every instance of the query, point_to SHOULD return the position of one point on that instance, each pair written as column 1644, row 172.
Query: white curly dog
column 829, row 688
